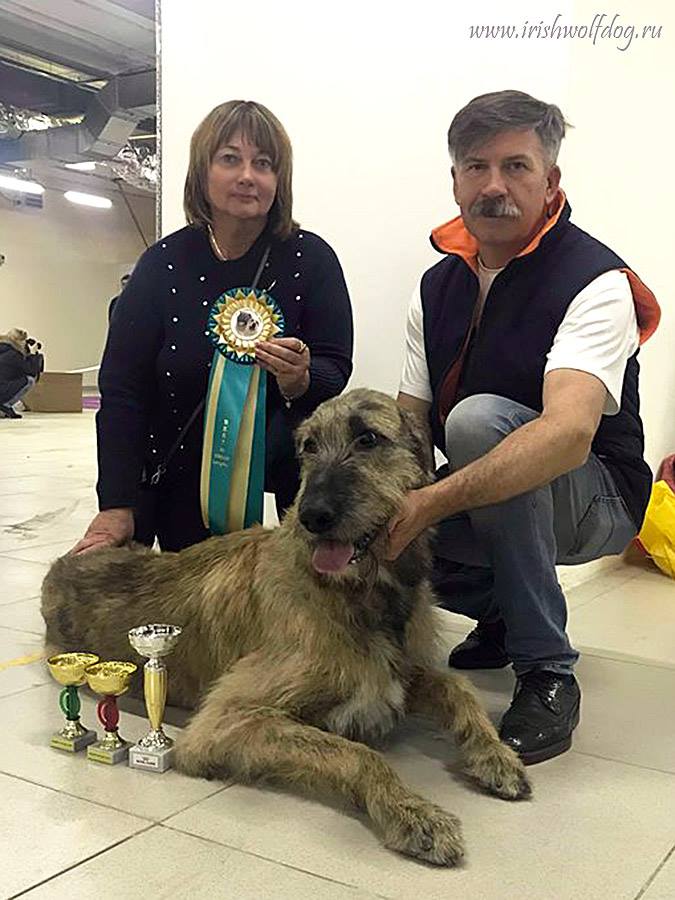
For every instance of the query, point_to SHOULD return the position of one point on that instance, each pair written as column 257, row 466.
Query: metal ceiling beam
column 30, row 90
column 140, row 7
column 96, row 36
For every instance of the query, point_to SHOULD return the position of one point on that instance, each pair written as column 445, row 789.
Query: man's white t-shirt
column 598, row 335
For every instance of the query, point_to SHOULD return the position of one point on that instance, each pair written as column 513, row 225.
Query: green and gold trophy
column 68, row 670
column 154, row 751
column 111, row 679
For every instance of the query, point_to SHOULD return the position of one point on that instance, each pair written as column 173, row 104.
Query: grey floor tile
column 165, row 864
column 30, row 718
column 48, row 831
column 559, row 845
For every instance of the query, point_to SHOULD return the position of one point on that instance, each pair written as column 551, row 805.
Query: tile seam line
column 645, row 887
column 96, row 803
column 81, row 862
column 268, row 859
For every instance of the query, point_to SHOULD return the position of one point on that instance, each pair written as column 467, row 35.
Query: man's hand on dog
column 419, row 510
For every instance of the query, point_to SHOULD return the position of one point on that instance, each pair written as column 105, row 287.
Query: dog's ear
column 299, row 436
column 417, row 434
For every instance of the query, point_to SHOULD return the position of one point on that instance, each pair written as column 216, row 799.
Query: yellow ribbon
column 22, row 661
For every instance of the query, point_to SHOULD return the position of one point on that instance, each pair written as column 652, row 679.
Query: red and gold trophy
column 111, row 679
column 68, row 670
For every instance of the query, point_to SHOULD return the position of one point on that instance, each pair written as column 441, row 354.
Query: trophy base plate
column 73, row 745
column 150, row 760
column 108, row 757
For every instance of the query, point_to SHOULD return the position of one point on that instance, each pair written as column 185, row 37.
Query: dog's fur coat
column 294, row 659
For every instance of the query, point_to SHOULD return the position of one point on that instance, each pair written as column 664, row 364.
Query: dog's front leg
column 449, row 700
column 251, row 743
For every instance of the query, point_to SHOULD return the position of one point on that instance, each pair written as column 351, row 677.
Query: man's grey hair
column 488, row 115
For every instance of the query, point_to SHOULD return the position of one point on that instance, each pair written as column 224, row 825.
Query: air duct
column 110, row 118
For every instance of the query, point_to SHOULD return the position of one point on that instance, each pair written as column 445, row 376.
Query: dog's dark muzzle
column 324, row 501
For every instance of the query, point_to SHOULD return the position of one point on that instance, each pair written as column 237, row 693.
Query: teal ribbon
column 256, row 482
column 234, row 388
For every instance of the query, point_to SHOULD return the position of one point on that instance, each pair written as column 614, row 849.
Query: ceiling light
column 88, row 199
column 10, row 183
column 81, row 166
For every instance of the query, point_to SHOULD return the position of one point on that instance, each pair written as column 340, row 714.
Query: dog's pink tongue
column 331, row 556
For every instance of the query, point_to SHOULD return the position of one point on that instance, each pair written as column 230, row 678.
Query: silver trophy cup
column 154, row 751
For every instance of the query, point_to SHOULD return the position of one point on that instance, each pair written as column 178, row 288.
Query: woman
column 19, row 369
column 155, row 367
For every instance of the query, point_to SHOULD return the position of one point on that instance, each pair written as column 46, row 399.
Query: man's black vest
column 507, row 355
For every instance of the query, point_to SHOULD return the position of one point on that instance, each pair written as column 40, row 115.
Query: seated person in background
column 20, row 368
column 522, row 351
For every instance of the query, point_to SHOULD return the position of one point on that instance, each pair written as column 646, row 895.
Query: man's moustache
column 495, row 208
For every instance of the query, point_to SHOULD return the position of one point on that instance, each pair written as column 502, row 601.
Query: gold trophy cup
column 154, row 751
column 68, row 670
column 110, row 679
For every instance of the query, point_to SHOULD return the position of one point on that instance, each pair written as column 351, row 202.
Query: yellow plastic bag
column 657, row 535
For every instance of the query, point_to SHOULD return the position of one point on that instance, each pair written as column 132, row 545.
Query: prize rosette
column 240, row 319
column 233, row 457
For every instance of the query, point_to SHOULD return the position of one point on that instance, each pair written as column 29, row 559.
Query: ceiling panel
column 97, row 36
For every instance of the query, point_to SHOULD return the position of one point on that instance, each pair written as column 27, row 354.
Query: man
column 521, row 351
column 111, row 305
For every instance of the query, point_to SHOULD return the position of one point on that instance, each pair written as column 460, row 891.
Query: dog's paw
column 418, row 828
column 501, row 772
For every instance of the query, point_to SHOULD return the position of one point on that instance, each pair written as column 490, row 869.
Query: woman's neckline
column 217, row 253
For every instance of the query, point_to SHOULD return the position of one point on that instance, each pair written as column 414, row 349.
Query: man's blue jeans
column 509, row 551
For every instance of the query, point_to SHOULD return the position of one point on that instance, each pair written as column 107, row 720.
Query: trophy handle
column 69, row 701
column 155, row 689
column 108, row 713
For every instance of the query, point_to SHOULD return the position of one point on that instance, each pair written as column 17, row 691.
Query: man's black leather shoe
column 483, row 648
column 543, row 714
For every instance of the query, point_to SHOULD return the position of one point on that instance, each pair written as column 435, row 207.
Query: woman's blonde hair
column 17, row 338
column 259, row 127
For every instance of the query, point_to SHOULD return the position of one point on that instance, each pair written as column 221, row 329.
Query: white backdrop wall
column 367, row 91
column 63, row 264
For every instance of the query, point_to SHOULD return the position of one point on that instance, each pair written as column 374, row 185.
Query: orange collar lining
column 454, row 237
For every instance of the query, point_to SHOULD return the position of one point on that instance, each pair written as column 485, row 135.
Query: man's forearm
column 531, row 456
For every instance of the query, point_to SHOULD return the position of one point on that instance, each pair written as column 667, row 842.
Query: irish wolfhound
column 302, row 644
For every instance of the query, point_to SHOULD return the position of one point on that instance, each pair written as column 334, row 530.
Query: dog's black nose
column 317, row 517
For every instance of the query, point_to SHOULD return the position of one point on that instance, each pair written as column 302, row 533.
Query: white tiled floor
column 600, row 827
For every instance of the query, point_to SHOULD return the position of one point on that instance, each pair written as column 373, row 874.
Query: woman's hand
column 288, row 360
column 110, row 528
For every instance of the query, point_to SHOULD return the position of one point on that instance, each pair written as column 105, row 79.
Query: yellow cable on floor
column 22, row 660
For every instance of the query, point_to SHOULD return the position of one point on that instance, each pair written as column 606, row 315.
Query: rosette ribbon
column 233, row 456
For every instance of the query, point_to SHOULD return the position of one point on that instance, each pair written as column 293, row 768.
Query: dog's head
column 246, row 323
column 360, row 454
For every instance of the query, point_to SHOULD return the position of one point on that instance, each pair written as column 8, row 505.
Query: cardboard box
column 56, row 392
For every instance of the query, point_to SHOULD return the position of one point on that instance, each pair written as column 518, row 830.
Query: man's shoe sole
column 537, row 756
column 499, row 663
